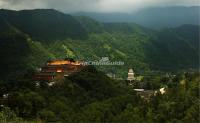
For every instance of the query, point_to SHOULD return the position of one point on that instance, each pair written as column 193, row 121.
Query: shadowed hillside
column 45, row 24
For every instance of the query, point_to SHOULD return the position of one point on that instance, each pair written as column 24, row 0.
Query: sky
column 93, row 5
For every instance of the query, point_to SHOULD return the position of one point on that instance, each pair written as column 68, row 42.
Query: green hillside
column 31, row 37
column 140, row 48
column 175, row 48
column 45, row 24
column 90, row 25
column 19, row 53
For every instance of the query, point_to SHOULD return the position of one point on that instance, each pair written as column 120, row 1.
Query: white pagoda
column 130, row 75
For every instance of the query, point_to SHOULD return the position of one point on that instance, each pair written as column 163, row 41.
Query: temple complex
column 57, row 69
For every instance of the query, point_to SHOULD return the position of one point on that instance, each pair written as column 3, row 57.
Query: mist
column 106, row 6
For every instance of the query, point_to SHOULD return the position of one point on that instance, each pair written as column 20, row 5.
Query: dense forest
column 91, row 97
column 164, row 58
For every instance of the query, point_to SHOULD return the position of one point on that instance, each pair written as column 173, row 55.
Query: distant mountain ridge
column 157, row 17
column 44, row 24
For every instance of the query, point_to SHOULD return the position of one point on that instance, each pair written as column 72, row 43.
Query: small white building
column 51, row 84
column 5, row 96
column 161, row 91
column 111, row 75
column 139, row 90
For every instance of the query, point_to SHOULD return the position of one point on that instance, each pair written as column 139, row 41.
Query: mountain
column 90, row 25
column 44, row 24
column 140, row 48
column 89, row 96
column 175, row 48
column 19, row 53
column 158, row 17
column 189, row 32
column 168, row 16
column 166, row 49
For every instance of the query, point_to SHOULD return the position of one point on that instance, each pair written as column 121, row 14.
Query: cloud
column 22, row 4
column 93, row 5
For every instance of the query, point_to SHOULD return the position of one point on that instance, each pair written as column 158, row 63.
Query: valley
column 42, row 79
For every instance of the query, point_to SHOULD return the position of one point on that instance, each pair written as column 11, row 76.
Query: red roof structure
column 57, row 69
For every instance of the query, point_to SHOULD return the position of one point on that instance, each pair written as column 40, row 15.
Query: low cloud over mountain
column 93, row 5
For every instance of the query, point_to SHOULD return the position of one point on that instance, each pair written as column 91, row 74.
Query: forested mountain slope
column 89, row 96
column 19, row 53
column 143, row 49
column 45, row 24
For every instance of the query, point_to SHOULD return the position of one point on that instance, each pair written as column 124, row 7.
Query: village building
column 114, row 76
column 147, row 94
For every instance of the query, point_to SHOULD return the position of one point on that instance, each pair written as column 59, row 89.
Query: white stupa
column 130, row 75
